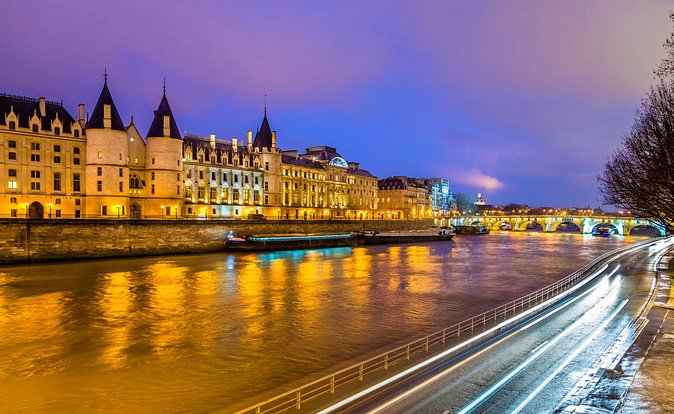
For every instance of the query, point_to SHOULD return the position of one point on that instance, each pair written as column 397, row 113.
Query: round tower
column 107, row 172
column 164, row 167
column 270, row 158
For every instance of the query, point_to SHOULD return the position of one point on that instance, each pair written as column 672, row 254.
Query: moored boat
column 393, row 237
column 291, row 241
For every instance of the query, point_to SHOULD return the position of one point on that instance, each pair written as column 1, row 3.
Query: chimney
column 273, row 139
column 80, row 114
column 234, row 144
column 250, row 139
column 212, row 140
column 43, row 106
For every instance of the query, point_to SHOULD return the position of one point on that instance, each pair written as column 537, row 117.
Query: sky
column 522, row 101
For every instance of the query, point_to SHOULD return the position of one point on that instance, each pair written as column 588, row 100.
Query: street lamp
column 49, row 205
column 162, row 212
column 118, row 208
column 26, row 203
column 176, row 208
column 278, row 213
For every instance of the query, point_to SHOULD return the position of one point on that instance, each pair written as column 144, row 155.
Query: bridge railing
column 350, row 379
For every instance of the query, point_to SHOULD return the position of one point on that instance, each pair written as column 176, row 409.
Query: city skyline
column 503, row 102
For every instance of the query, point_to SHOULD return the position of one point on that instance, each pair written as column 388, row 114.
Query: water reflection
column 197, row 333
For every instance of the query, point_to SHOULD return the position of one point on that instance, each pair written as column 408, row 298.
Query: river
column 198, row 333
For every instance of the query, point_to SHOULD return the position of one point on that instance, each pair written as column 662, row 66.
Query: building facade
column 403, row 198
column 55, row 166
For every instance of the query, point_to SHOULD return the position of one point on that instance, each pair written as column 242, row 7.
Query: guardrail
column 423, row 347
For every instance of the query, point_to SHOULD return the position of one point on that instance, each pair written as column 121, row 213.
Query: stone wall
column 24, row 241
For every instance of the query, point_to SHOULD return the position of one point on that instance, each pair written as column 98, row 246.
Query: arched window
column 35, row 128
column 77, row 133
column 134, row 181
column 57, row 131
column 12, row 125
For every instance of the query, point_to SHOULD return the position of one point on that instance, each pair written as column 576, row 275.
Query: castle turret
column 164, row 164
column 270, row 159
column 107, row 172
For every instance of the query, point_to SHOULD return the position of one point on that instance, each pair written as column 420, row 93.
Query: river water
column 199, row 333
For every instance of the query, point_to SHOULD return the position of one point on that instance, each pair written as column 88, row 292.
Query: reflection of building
column 55, row 166
column 403, row 198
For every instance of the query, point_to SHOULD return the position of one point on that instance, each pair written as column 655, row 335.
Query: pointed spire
column 158, row 127
column 263, row 136
column 105, row 98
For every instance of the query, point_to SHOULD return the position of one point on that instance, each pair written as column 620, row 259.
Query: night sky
column 520, row 100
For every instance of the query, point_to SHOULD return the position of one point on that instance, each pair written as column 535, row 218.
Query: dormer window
column 35, row 128
column 167, row 125
column 76, row 133
column 106, row 111
column 12, row 125
column 57, row 131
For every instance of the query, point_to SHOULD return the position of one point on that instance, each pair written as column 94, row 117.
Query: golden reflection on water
column 197, row 333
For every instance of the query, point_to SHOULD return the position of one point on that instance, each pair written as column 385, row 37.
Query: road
column 531, row 367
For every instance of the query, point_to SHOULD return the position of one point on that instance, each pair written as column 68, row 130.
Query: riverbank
column 28, row 241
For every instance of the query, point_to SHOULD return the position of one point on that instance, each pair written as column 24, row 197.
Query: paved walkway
column 652, row 389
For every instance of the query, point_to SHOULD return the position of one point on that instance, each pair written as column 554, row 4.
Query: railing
column 401, row 357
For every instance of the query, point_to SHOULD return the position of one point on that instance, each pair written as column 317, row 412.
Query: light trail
column 450, row 369
column 474, row 339
column 441, row 355
column 503, row 381
column 568, row 360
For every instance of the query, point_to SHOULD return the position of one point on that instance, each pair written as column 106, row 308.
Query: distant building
column 441, row 196
column 479, row 201
column 403, row 198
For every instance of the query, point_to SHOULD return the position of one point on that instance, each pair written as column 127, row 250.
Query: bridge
column 622, row 225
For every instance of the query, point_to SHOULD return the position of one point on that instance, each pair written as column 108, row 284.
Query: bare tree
column 640, row 176
column 666, row 68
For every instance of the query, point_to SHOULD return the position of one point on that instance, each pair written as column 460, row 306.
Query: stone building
column 403, row 198
column 42, row 159
column 320, row 184
column 101, row 168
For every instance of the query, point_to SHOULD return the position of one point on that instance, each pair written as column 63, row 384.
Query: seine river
column 200, row 333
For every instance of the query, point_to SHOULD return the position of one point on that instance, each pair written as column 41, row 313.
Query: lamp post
column 49, row 205
column 118, row 208
column 162, row 212
column 278, row 214
column 26, row 203
column 176, row 209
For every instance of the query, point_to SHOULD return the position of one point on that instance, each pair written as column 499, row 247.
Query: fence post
column 444, row 333
column 332, row 384
column 426, row 344
column 360, row 373
column 386, row 361
column 299, row 399
column 407, row 353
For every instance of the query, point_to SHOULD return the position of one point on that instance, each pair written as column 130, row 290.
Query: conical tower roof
column 96, row 119
column 157, row 126
column 263, row 135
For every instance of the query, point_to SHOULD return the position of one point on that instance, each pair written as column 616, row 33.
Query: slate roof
column 392, row 183
column 25, row 107
column 263, row 135
column 196, row 142
column 96, row 119
column 321, row 153
column 157, row 126
column 302, row 162
column 362, row 173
